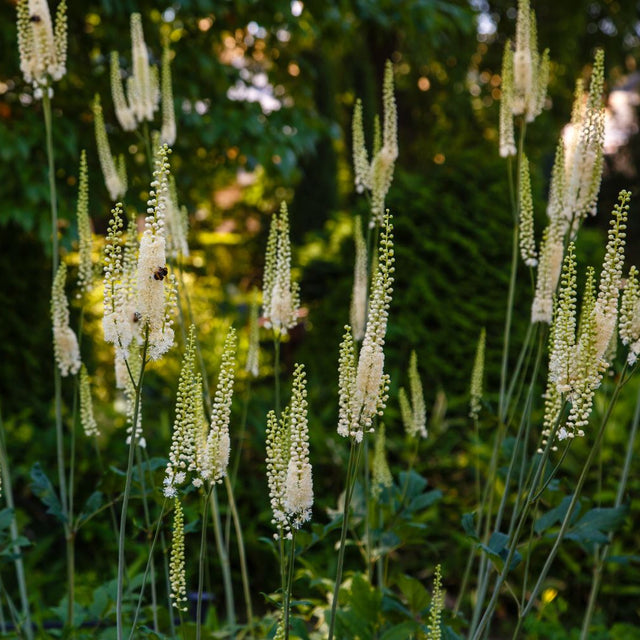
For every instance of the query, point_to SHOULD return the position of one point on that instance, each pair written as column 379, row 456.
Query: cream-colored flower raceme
column 477, row 375
column 289, row 472
column 124, row 114
column 215, row 459
column 584, row 152
column 177, row 575
column 113, row 177
column 414, row 413
column 507, row 137
column 525, row 209
column 157, row 291
column 437, row 606
column 87, row 418
column 42, row 46
column 381, row 474
column 252, row 364
column 176, row 224
column 280, row 294
column 142, row 86
column 363, row 385
column 361, row 167
column 85, row 242
column 549, row 268
column 182, row 456
column 168, row 131
column 359, row 294
column 530, row 70
column 629, row 323
column 65, row 342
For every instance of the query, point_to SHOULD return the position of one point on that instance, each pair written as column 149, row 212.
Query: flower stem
column 13, row 532
column 127, row 491
column 203, row 549
column 224, row 559
column 287, row 593
column 352, row 468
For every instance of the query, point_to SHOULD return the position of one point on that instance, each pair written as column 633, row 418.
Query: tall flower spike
column 584, row 152
column 530, row 71
column 142, row 86
column 525, row 206
column 383, row 163
column 507, row 138
column 437, row 606
column 629, row 323
column 475, row 403
column 216, row 455
column 124, row 114
column 280, row 294
column 361, row 168
column 252, row 364
column 156, row 288
column 112, row 178
column 417, row 424
column 177, row 576
column 42, row 47
column 359, row 293
column 289, row 471
column 168, row 133
column 381, row 474
column 363, row 387
column 87, row 419
column 564, row 329
column 182, row 456
column 606, row 307
column 549, row 267
column 85, row 266
column 65, row 342
column 176, row 223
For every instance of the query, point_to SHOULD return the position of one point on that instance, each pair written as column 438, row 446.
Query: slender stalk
column 478, row 631
column 224, row 559
column 624, row 476
column 147, row 569
column 13, row 532
column 241, row 551
column 203, row 550
column 367, row 507
column 352, row 467
column 276, row 371
column 127, row 491
column 574, row 501
column 147, row 524
column 287, row 593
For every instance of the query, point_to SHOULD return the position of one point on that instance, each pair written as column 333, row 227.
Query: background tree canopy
column 264, row 93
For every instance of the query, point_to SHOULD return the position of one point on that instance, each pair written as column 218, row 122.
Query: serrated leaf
column 469, row 526
column 414, row 591
column 42, row 487
column 6, row 517
column 91, row 506
column 555, row 515
column 401, row 631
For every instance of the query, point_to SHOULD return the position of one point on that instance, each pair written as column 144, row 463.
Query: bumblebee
column 160, row 273
column 136, row 316
column 35, row 18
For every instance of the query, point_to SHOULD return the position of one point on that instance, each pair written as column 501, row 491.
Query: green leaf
column 401, row 631
column 425, row 500
column 555, row 515
column 6, row 517
column 91, row 507
column 414, row 482
column 414, row 591
column 42, row 487
column 595, row 525
column 469, row 527
column 498, row 552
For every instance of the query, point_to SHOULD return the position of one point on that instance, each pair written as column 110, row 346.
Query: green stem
column 367, row 507
column 147, row 570
column 241, row 550
column 13, row 532
column 203, row 549
column 287, row 593
column 147, row 524
column 352, row 467
column 224, row 560
column 597, row 574
column 276, row 371
column 127, row 492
